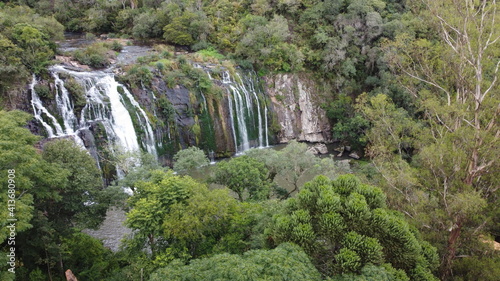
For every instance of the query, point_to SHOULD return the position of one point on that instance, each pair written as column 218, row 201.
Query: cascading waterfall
column 110, row 111
column 231, row 116
column 265, row 116
column 39, row 111
column 149, row 141
column 252, row 90
column 63, row 105
column 104, row 104
column 246, row 124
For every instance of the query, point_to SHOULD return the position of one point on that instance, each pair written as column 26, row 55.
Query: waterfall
column 240, row 117
column 64, row 105
column 245, row 112
column 104, row 105
column 39, row 111
column 231, row 116
column 252, row 89
column 265, row 126
column 149, row 141
column 226, row 77
column 211, row 156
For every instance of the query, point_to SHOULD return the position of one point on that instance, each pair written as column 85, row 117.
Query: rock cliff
column 297, row 109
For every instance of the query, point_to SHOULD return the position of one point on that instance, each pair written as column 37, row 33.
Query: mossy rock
column 43, row 91
column 77, row 93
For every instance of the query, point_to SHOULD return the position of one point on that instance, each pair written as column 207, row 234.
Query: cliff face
column 296, row 106
column 182, row 119
column 97, row 110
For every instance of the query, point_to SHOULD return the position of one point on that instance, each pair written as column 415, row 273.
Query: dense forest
column 412, row 86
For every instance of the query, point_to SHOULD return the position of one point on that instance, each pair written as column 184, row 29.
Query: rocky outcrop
column 296, row 105
column 319, row 148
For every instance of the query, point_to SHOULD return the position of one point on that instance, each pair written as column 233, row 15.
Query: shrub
column 95, row 55
column 116, row 46
column 77, row 92
column 211, row 52
column 42, row 91
column 139, row 74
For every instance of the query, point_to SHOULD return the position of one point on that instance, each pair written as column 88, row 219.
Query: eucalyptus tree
column 453, row 80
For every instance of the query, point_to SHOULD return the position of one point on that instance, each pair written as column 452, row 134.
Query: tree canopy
column 345, row 225
column 286, row 262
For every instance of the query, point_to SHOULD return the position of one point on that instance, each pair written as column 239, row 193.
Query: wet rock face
column 299, row 114
column 185, row 108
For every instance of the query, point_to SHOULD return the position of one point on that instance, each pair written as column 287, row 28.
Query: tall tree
column 454, row 81
column 26, row 175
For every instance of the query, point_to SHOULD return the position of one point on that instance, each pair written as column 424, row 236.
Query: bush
column 77, row 92
column 43, row 91
column 147, row 25
column 96, row 55
column 189, row 159
column 211, row 52
column 139, row 74
column 116, row 46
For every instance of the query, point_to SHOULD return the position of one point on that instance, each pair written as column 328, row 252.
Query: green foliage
column 371, row 272
column 96, row 55
column 11, row 66
column 348, row 125
column 12, row 15
column 116, row 46
column 26, row 44
column 286, row 262
column 152, row 200
column 43, row 91
column 186, row 28
column 473, row 268
column 148, row 25
column 17, row 153
column 290, row 167
column 189, row 159
column 66, row 180
column 245, row 176
column 36, row 47
column 344, row 225
column 167, row 109
column 211, row 52
column 443, row 157
column 204, row 223
column 83, row 200
column 265, row 44
column 88, row 258
column 76, row 91
column 139, row 75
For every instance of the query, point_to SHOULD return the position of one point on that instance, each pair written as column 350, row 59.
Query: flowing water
column 246, row 111
column 107, row 102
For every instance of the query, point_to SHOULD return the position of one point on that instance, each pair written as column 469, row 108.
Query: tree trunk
column 450, row 251
column 151, row 239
